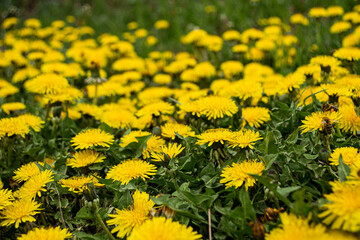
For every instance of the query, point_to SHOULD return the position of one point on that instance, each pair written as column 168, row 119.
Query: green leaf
column 270, row 146
column 201, row 200
column 283, row 106
column 141, row 145
column 343, row 169
column 271, row 187
column 87, row 236
column 84, row 213
column 269, row 159
column 311, row 157
column 249, row 212
column 287, row 190
column 125, row 199
column 293, row 137
column 105, row 128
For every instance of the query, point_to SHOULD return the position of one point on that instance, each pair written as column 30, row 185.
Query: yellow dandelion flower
column 162, row 78
column 13, row 126
column 128, row 64
column 154, row 144
column 349, row 155
column 151, row 40
column 156, row 109
column 231, row 68
column 231, row 35
column 69, row 94
column 46, row 83
column 8, row 90
column 336, row 90
column 251, row 33
column 294, row 227
column 132, row 25
column 354, row 176
column 32, row 121
column 161, row 228
column 131, row 169
column 265, row 45
column 244, row 89
column 318, row 12
column 255, row 116
column 140, row 33
column 170, row 128
column 192, row 107
column 9, row 22
column 237, row 174
column 1, row 184
column 127, row 219
column 131, row 137
column 33, row 23
column 325, row 61
column 22, row 74
column 6, row 198
column 219, row 84
column 35, row 185
column 214, row 107
column 338, row 234
column 315, row 121
column 88, row 109
column 298, row 18
column 211, row 136
column 254, row 54
column 350, row 121
column 240, row 48
column 12, row 106
column 85, row 158
column 243, row 138
column 46, row 234
column 350, row 53
column 91, row 138
column 339, row 27
column 19, row 211
column 291, row 81
column 204, row 70
column 172, row 150
column 342, row 210
column 26, row 171
column 211, row 42
column 79, row 184
column 118, row 119
column 334, row 11
column 161, row 24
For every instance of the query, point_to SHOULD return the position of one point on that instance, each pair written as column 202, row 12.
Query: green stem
column 55, row 126
column 48, row 107
column 96, row 88
column 28, row 226
column 67, row 109
column 42, row 215
column 173, row 179
column 327, row 143
column 60, row 207
column 318, row 33
column 10, row 144
column 338, row 130
column 98, row 217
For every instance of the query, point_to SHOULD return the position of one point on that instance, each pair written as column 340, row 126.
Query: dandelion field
column 180, row 120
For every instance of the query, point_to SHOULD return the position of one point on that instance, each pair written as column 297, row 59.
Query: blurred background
column 112, row 16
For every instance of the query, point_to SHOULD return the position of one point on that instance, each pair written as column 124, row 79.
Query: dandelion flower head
column 237, row 174
column 131, row 169
column 91, row 138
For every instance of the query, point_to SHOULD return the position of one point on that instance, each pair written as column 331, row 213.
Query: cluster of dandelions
column 165, row 107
